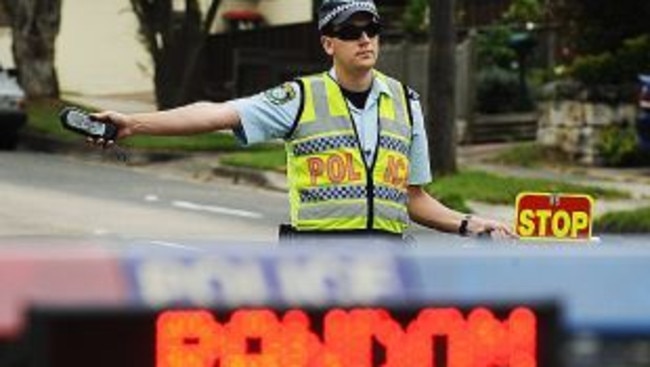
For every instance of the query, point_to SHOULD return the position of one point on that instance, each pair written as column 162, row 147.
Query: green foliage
column 497, row 90
column 598, row 26
column 495, row 189
column 454, row 201
column 529, row 155
column 619, row 66
column 616, row 144
column 629, row 221
column 415, row 16
column 492, row 47
column 205, row 142
column 273, row 159
column 634, row 56
column 594, row 69
column 498, row 86
column 522, row 11
column 43, row 118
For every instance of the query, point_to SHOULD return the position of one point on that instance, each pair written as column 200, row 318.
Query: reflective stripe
column 391, row 212
column 332, row 193
column 333, row 124
column 308, row 112
column 334, row 210
column 396, row 128
column 338, row 107
column 390, row 194
column 342, row 123
column 400, row 110
column 320, row 104
column 319, row 145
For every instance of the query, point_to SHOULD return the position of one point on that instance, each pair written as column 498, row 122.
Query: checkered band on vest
column 319, row 145
column 391, row 143
column 332, row 193
column 390, row 194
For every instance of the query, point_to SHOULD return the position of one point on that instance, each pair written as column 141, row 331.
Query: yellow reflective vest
column 332, row 187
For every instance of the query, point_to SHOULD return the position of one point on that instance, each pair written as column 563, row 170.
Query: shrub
column 492, row 47
column 617, row 67
column 414, row 17
column 618, row 146
column 497, row 90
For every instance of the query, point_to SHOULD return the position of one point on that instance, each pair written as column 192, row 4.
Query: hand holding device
column 81, row 122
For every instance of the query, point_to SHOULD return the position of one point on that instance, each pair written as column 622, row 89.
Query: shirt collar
column 378, row 86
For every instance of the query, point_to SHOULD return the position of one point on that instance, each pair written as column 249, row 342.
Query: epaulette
column 412, row 94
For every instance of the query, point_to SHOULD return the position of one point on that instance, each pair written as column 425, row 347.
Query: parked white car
column 12, row 110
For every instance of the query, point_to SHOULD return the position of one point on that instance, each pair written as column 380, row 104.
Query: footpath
column 205, row 166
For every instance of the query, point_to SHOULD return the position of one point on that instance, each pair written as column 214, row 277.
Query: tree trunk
column 441, row 108
column 174, row 41
column 191, row 76
column 35, row 25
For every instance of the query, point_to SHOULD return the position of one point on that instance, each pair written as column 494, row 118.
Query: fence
column 408, row 62
column 242, row 63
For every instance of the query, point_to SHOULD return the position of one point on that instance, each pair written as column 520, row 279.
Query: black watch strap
column 462, row 229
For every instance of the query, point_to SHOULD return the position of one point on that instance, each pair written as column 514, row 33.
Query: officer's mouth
column 366, row 53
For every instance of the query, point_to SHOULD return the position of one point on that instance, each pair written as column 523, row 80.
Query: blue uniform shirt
column 271, row 114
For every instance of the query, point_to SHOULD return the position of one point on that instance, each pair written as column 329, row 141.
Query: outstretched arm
column 195, row 118
column 429, row 212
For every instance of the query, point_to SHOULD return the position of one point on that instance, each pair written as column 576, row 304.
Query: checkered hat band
column 332, row 193
column 319, row 145
column 370, row 7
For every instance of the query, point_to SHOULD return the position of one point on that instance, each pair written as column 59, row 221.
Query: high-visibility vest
column 332, row 187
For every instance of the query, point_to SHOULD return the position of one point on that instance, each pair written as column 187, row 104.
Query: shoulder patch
column 412, row 95
column 281, row 94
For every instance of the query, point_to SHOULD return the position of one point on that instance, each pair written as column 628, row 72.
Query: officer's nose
column 364, row 37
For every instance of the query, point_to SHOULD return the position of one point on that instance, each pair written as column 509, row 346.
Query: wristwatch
column 462, row 229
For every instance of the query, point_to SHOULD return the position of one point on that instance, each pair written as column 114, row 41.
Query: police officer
column 357, row 149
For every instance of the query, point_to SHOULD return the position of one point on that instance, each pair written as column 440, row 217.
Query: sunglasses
column 351, row 32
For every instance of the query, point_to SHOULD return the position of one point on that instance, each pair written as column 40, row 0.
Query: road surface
column 45, row 195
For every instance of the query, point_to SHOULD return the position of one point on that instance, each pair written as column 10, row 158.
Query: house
column 98, row 51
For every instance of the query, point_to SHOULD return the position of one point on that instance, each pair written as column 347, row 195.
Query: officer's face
column 355, row 43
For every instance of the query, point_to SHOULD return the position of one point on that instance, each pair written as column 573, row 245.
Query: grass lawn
column 496, row 189
column 529, row 155
column 43, row 118
column 271, row 159
column 631, row 221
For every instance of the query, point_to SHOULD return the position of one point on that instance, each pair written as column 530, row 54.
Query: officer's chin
column 367, row 63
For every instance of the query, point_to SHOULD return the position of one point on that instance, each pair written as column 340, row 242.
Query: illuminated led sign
column 356, row 337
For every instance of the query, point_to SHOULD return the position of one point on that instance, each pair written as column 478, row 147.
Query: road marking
column 151, row 198
column 215, row 209
column 173, row 245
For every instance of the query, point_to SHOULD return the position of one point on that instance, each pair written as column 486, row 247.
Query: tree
column 35, row 25
column 441, row 112
column 597, row 26
column 175, row 40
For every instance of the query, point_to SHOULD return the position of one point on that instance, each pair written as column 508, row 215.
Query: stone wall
column 573, row 127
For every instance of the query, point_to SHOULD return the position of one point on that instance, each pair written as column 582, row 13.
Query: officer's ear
column 328, row 45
